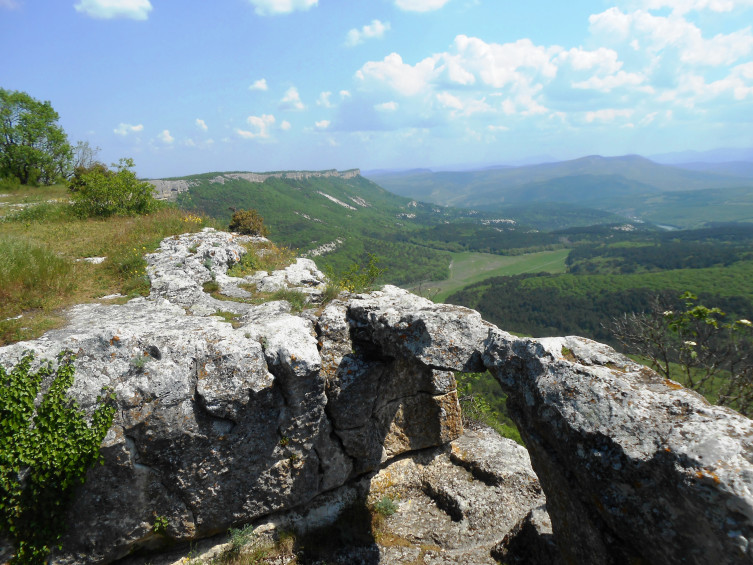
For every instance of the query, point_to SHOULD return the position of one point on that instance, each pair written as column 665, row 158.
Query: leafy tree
column 100, row 192
column 46, row 450
column 695, row 345
column 33, row 147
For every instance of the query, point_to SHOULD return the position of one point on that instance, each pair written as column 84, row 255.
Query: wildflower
column 691, row 343
column 745, row 322
column 667, row 312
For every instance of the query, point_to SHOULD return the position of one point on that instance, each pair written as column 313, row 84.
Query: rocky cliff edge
column 289, row 418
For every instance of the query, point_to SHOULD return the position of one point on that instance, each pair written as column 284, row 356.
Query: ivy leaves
column 45, row 452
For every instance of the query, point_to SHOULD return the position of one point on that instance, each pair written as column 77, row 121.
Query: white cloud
column 420, row 5
column 344, row 94
column 165, row 137
column 673, row 32
column 260, row 125
column 497, row 128
column 322, row 125
column 260, row 84
column 201, row 124
column 285, row 125
column 125, row 129
column 386, row 106
column 405, row 79
column 375, row 30
column 108, row 9
column 607, row 115
column 291, row 100
column 610, row 82
column 273, row 7
column 685, row 6
column 449, row 101
column 323, row 100
column 603, row 59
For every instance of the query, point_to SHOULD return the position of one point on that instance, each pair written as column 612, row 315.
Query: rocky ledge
column 284, row 418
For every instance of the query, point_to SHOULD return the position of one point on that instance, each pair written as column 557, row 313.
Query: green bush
column 247, row 222
column 357, row 278
column 101, row 192
column 45, row 452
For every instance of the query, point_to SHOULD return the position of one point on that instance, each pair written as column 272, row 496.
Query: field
column 467, row 268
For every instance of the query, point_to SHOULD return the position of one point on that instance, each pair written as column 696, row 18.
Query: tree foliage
column 101, row 192
column 248, row 222
column 45, row 452
column 33, row 147
column 695, row 345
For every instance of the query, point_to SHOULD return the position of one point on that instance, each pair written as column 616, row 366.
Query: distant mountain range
column 630, row 185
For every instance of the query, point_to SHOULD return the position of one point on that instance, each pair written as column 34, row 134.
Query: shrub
column 45, row 452
column 247, row 222
column 357, row 278
column 101, row 192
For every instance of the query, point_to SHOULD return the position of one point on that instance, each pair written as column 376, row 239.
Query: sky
column 192, row 86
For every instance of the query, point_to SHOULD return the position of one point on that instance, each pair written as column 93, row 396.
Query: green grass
column 468, row 268
column 41, row 248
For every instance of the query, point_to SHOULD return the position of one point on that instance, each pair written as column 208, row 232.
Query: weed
column 160, row 525
column 264, row 256
column 194, row 248
column 229, row 317
column 211, row 286
column 284, row 440
column 385, row 506
column 297, row 299
column 139, row 362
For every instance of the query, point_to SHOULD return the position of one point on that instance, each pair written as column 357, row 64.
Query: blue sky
column 190, row 86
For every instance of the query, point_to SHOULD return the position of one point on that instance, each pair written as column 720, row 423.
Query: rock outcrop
column 289, row 417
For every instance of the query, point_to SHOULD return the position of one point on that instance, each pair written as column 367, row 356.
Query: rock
column 289, row 419
column 636, row 468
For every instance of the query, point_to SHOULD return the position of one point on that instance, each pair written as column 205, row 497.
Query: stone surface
column 636, row 468
column 280, row 415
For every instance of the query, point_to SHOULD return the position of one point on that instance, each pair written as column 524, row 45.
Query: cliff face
column 289, row 417
column 169, row 189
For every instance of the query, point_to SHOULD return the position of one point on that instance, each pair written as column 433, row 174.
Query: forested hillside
column 607, row 279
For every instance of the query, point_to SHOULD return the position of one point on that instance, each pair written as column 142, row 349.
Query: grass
column 467, row 268
column 262, row 257
column 41, row 252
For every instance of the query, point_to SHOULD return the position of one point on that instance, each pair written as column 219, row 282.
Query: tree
column 695, row 345
column 84, row 155
column 101, row 192
column 33, row 147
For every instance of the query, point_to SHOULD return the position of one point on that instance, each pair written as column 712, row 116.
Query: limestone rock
column 636, row 468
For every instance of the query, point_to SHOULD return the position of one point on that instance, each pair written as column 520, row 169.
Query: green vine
column 45, row 451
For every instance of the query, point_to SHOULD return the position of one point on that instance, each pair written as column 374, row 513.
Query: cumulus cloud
column 273, row 7
column 109, row 9
column 285, row 125
column 124, row 129
column 323, row 100
column 387, row 106
column 201, row 124
column 260, row 127
column 685, row 6
column 401, row 77
column 260, row 84
column 165, row 137
column 322, row 125
column 658, row 34
column 420, row 5
column 291, row 100
column 607, row 115
column 374, row 30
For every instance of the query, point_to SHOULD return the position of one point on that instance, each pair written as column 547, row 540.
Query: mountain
column 719, row 155
column 732, row 168
column 623, row 185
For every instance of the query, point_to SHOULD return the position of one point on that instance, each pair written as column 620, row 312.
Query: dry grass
column 41, row 248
